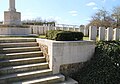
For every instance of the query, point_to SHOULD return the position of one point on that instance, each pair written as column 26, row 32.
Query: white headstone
column 101, row 35
column 109, row 34
column 82, row 29
column 85, row 31
column 92, row 33
column 116, row 34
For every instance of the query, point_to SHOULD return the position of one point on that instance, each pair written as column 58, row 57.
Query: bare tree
column 116, row 15
column 101, row 18
column 39, row 21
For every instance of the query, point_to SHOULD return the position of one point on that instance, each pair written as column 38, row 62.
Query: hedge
column 59, row 35
column 104, row 67
column 51, row 34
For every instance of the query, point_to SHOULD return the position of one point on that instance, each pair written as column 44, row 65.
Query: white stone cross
column 12, row 5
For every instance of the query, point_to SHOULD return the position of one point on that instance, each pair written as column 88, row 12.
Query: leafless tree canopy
column 104, row 18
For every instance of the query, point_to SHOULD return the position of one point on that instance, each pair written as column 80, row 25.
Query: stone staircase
column 22, row 62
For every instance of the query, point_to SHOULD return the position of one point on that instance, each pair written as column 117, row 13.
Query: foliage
column 38, row 21
column 14, row 26
column 51, row 34
column 106, row 18
column 104, row 67
column 116, row 15
column 59, row 35
column 101, row 18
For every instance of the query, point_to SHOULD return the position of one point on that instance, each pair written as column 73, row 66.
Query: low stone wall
column 67, row 52
column 44, row 48
column 14, row 31
column 69, row 70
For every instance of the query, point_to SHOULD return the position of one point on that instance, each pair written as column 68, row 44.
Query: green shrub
column 104, row 67
column 59, row 35
column 51, row 34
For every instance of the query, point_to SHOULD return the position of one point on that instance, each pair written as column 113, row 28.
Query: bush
column 59, row 35
column 104, row 67
column 51, row 34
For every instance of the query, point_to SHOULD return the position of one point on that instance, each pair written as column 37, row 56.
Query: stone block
column 12, row 18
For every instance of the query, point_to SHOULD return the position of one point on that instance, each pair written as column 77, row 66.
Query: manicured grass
column 85, row 38
column 40, row 36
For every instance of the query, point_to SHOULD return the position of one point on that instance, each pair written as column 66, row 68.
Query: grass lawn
column 85, row 38
column 41, row 36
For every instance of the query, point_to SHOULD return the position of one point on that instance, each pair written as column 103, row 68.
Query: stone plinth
column 14, row 31
column 12, row 18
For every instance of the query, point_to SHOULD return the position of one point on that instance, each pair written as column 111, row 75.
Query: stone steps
column 25, row 76
column 22, row 62
column 19, row 49
column 23, row 68
column 20, row 55
column 16, row 40
column 46, row 80
column 68, row 81
column 23, row 44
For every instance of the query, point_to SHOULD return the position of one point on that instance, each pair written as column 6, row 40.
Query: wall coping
column 83, row 41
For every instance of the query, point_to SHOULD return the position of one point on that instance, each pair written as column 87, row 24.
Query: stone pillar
column 92, row 33
column 109, row 34
column 12, row 5
column 12, row 17
column 101, row 35
column 116, row 34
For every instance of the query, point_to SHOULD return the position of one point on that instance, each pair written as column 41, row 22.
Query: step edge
column 24, row 59
column 5, row 49
column 26, row 74
column 24, row 66
column 47, row 78
column 21, row 53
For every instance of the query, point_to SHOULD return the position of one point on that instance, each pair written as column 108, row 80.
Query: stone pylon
column 12, row 5
column 11, row 17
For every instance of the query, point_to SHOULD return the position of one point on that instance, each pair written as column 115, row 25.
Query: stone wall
column 44, row 48
column 70, row 70
column 67, row 52
column 12, row 18
column 14, row 31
